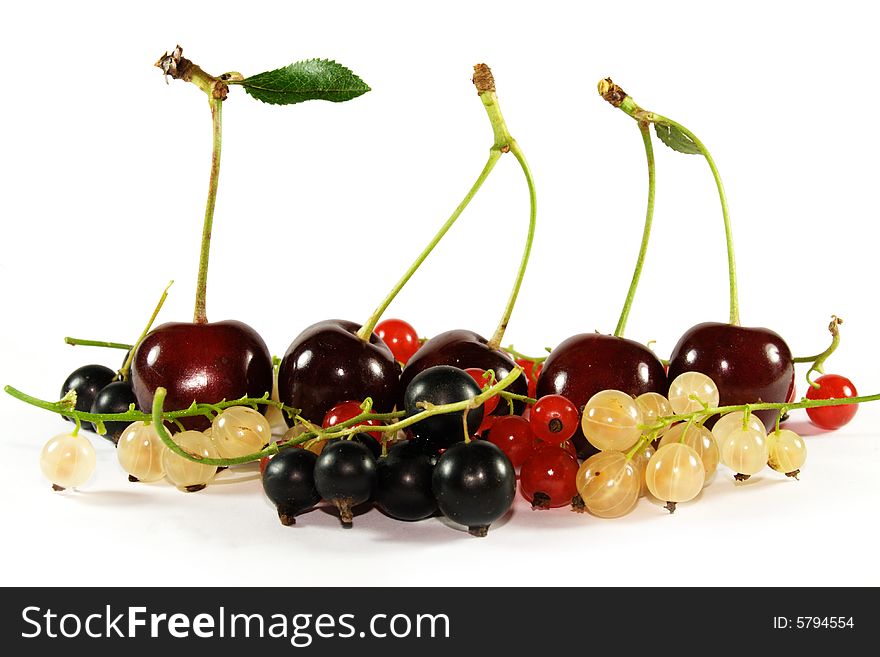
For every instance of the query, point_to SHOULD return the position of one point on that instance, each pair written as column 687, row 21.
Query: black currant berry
column 442, row 384
column 474, row 484
column 115, row 397
column 345, row 474
column 289, row 481
column 87, row 382
column 403, row 488
column 367, row 441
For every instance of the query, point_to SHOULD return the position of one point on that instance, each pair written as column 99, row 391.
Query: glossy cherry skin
column 463, row 349
column 588, row 363
column 747, row 364
column 328, row 363
column 201, row 363
column 832, row 386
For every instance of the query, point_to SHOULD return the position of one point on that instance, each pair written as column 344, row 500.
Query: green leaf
column 676, row 139
column 314, row 79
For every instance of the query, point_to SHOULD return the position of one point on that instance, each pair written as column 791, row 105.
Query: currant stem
column 200, row 315
column 818, row 361
column 126, row 366
column 646, row 232
column 367, row 329
column 97, row 343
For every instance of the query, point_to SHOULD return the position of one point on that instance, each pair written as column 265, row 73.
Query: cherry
column 474, row 484
column 514, row 436
column 289, row 481
column 200, row 363
column 328, row 363
column 345, row 474
column 832, row 386
column 401, row 338
column 462, row 348
column 403, row 488
column 438, row 385
column 479, row 375
column 344, row 411
column 87, row 381
column 554, row 419
column 588, row 363
column 115, row 397
column 747, row 364
column 549, row 477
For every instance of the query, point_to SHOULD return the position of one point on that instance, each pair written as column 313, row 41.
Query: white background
column 104, row 169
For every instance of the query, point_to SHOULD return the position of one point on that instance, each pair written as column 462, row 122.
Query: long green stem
column 200, row 316
column 646, row 232
column 126, row 366
column 728, row 233
column 495, row 341
column 97, row 343
column 368, row 326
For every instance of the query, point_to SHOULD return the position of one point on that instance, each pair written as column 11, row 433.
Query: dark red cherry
column 328, row 363
column 747, row 364
column 463, row 349
column 202, row 363
column 588, row 363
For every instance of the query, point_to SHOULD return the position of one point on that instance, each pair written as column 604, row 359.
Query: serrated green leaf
column 676, row 139
column 314, row 79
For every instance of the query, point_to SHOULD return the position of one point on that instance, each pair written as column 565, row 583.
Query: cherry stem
column 97, row 343
column 646, row 232
column 367, row 329
column 620, row 99
column 126, row 366
column 818, row 361
column 200, row 315
column 343, row 429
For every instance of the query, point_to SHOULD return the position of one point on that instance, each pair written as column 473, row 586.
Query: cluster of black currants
column 437, row 469
column 101, row 390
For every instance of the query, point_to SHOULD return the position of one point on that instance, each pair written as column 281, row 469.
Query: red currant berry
column 568, row 446
column 401, row 338
column 347, row 410
column 832, row 386
column 554, row 419
column 548, row 477
column 532, row 371
column 513, row 435
column 478, row 375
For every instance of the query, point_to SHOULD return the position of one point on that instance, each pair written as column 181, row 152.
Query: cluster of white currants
column 68, row 461
column 628, row 466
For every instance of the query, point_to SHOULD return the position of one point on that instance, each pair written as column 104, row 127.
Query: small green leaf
column 314, row 79
column 676, row 139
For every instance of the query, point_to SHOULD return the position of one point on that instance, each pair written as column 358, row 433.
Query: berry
column 87, row 381
column 745, row 451
column 116, row 397
column 654, row 406
column 612, row 420
column 190, row 476
column 787, row 452
column 345, row 411
column 675, row 474
column 289, row 482
column 608, row 484
column 698, row 438
column 403, row 486
column 479, row 376
column 730, row 421
column 832, row 386
column 691, row 391
column 345, row 475
column 532, row 371
column 239, row 431
column 442, row 384
column 547, row 478
column 474, row 484
column 67, row 461
column 513, row 435
column 554, row 419
column 140, row 451
column 401, row 338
